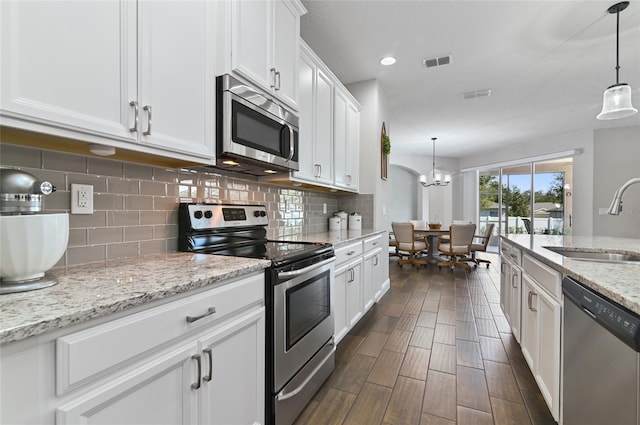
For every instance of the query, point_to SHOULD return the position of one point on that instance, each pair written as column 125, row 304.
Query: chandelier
column 436, row 179
column 616, row 101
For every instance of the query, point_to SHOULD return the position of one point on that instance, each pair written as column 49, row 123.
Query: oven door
column 303, row 320
column 249, row 131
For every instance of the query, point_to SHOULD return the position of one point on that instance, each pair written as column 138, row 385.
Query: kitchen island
column 619, row 282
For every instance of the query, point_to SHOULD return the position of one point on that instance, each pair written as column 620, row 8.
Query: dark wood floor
column 435, row 350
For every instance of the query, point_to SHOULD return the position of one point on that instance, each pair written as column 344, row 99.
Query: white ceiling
column 546, row 62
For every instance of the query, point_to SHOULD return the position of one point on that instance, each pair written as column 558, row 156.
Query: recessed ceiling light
column 389, row 60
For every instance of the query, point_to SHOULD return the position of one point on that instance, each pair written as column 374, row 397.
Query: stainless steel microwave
column 255, row 134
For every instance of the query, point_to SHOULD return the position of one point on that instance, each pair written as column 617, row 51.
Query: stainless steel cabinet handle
column 376, row 263
column 210, row 311
column 196, row 386
column 277, row 80
column 148, row 109
column 502, row 268
column 351, row 253
column 135, row 116
column 209, row 353
column 530, row 300
column 514, row 283
column 273, row 78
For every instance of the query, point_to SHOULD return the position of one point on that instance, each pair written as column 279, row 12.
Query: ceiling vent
column 443, row 60
column 477, row 93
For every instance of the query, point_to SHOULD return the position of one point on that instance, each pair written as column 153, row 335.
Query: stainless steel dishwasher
column 601, row 359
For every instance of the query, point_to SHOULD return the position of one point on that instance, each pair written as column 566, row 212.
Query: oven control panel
column 213, row 216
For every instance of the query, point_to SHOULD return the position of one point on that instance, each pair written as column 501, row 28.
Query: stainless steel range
column 300, row 352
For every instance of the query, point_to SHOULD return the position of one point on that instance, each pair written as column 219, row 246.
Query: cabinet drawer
column 550, row 279
column 87, row 354
column 373, row 243
column 348, row 252
column 512, row 253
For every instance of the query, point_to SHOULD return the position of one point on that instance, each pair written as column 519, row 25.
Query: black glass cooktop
column 278, row 252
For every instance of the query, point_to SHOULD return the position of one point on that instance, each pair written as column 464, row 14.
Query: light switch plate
column 81, row 199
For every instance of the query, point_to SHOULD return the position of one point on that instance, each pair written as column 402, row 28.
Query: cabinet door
column 339, row 294
column 251, row 40
column 515, row 304
column 505, row 288
column 355, row 305
column 286, row 27
column 323, row 142
column 529, row 325
column 157, row 392
column 176, row 48
column 233, row 362
column 548, row 351
column 307, row 110
column 371, row 273
column 70, row 63
column 353, row 146
column 340, row 139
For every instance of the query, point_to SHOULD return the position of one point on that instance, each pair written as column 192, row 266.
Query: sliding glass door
column 529, row 198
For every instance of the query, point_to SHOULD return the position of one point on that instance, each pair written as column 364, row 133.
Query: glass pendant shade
column 616, row 103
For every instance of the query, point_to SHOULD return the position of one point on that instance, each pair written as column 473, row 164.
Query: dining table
column 432, row 235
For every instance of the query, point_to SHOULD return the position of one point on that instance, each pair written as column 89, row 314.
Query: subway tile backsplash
column 135, row 205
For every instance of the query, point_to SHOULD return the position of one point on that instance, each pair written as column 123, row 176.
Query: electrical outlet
column 81, row 199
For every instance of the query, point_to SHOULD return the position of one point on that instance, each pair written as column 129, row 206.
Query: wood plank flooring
column 436, row 350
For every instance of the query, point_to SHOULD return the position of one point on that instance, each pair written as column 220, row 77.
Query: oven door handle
column 283, row 396
column 294, row 273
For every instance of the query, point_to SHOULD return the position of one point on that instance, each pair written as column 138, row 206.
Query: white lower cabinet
column 156, row 392
column 232, row 387
column 348, row 305
column 540, row 337
column 372, row 282
column 360, row 279
column 199, row 359
column 511, row 287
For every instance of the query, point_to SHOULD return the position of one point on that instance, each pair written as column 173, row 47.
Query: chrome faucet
column 616, row 205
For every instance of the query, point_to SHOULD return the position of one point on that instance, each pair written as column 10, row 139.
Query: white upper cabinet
column 112, row 72
column 346, row 139
column 316, row 123
column 68, row 63
column 264, row 44
column 176, row 80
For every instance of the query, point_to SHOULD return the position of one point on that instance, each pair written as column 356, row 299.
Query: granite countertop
column 337, row 237
column 96, row 290
column 619, row 282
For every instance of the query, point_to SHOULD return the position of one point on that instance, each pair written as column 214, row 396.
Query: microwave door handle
column 291, row 144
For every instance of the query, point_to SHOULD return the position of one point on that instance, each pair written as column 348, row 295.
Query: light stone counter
column 619, row 282
column 96, row 290
column 336, row 237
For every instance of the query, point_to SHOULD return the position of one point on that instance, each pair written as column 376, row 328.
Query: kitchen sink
column 597, row 256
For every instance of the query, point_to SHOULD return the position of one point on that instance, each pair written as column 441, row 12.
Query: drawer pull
column 210, row 311
column 208, row 377
column 196, row 386
column 375, row 243
column 350, row 253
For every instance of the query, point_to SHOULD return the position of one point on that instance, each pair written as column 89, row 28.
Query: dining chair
column 482, row 245
column 458, row 246
column 393, row 244
column 527, row 225
column 406, row 245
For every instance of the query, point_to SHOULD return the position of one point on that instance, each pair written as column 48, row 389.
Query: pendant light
column 437, row 177
column 616, row 102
